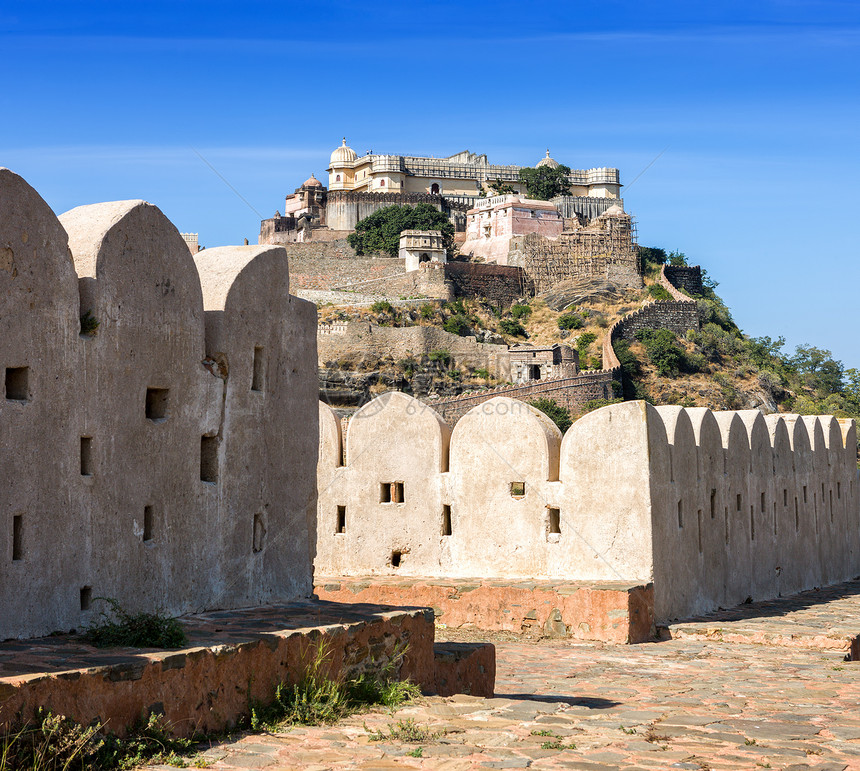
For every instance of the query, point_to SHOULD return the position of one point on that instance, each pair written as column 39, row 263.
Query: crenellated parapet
column 147, row 393
column 712, row 507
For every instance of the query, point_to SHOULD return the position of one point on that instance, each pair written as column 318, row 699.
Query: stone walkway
column 682, row 703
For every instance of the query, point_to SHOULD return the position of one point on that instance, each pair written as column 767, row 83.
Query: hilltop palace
column 359, row 185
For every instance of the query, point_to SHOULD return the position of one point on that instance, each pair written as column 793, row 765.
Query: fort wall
column 359, row 339
column 712, row 507
column 145, row 456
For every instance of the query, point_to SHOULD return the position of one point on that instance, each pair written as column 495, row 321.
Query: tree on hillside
column 380, row 232
column 545, row 182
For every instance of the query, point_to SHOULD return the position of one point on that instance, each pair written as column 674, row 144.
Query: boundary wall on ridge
column 712, row 507
column 158, row 423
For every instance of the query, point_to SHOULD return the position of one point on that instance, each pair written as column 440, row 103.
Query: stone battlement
column 159, row 430
column 710, row 507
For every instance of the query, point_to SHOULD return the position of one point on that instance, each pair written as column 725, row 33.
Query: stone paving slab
column 563, row 705
column 826, row 618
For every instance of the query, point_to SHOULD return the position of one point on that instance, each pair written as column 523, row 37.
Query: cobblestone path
column 681, row 703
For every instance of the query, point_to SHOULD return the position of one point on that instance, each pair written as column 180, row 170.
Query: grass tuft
column 134, row 630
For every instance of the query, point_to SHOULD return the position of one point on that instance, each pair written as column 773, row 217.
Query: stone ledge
column 233, row 657
column 609, row 611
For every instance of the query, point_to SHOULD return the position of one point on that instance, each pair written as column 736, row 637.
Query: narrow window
column 762, row 503
column 739, row 502
column 86, row 456
column 554, row 522
column 148, row 517
column 259, row 533
column 18, row 537
column 259, row 376
column 699, row 520
column 518, row 489
column 805, row 499
column 796, row 515
column 17, row 383
column 774, row 518
column 680, row 514
column 397, row 492
column 396, row 556
column 385, row 492
column 86, row 597
column 752, row 523
column 209, row 459
column 446, row 519
column 713, row 503
column 341, row 520
column 156, row 403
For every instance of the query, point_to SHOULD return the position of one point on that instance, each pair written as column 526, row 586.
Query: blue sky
column 750, row 113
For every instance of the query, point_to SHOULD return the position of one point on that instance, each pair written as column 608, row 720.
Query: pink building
column 494, row 221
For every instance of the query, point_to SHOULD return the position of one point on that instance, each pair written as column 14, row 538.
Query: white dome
column 343, row 154
column 553, row 164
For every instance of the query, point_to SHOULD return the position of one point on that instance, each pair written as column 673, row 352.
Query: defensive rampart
column 571, row 393
column 159, row 430
column 712, row 507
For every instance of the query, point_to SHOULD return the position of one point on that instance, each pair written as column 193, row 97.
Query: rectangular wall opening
column 713, row 503
column 209, row 459
column 554, row 521
column 680, row 514
column 774, row 518
column 396, row 557
column 18, row 537
column 258, row 378
column 18, row 383
column 86, row 597
column 805, row 498
column 259, row 536
column 397, row 492
column 148, row 524
column 752, row 523
column 727, row 524
column 699, row 520
column 385, row 492
column 86, row 456
column 340, row 527
column 446, row 519
column 518, row 489
column 156, row 403
column 762, row 503
column 830, row 498
column 738, row 503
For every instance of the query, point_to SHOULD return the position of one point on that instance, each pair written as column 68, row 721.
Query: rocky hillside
column 717, row 367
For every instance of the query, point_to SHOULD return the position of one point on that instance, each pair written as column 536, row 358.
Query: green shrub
column 582, row 344
column 134, row 630
column 440, row 356
column 426, row 311
column 457, row 325
column 570, row 321
column 663, row 350
column 558, row 414
column 521, row 311
column 512, row 327
column 484, row 373
column 382, row 306
column 659, row 292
